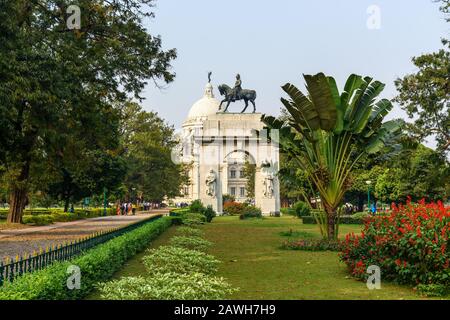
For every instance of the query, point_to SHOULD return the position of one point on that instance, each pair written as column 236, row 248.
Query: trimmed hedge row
column 342, row 220
column 96, row 265
column 45, row 217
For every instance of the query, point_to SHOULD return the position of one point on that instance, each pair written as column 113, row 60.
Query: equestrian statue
column 236, row 94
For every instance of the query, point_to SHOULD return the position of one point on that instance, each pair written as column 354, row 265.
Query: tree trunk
column 18, row 195
column 331, row 227
column 66, row 205
column 16, row 205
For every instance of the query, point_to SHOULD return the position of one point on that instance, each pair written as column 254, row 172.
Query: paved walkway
column 25, row 241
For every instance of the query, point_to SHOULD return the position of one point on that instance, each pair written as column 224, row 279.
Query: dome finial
column 209, row 76
column 209, row 88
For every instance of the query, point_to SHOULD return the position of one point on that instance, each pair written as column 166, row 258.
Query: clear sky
column 273, row 42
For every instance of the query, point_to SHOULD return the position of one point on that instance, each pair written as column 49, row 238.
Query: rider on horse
column 237, row 88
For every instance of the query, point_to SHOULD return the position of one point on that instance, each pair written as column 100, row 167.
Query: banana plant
column 328, row 132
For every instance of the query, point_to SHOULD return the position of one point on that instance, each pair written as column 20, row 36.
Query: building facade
column 215, row 146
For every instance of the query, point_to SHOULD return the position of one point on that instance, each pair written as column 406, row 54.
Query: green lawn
column 253, row 262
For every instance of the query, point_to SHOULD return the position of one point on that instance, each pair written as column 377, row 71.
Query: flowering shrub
column 410, row 245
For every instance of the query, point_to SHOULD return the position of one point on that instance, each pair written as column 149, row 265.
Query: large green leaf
column 301, row 108
column 340, row 109
column 322, row 99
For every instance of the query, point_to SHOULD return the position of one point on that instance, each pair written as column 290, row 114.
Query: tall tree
column 149, row 142
column 425, row 95
column 328, row 133
column 50, row 74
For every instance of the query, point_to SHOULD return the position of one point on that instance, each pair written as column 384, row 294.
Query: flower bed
column 410, row 245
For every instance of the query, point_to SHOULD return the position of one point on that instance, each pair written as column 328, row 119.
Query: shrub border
column 96, row 265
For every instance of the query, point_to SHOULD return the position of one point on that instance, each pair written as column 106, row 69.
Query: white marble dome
column 206, row 106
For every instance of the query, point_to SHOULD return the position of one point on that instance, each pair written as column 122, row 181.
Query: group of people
column 126, row 209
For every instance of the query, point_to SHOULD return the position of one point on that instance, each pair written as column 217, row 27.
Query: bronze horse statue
column 246, row 95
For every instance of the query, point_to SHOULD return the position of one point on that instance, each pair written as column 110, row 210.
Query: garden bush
column 96, row 265
column 301, row 209
column 342, row 220
column 193, row 219
column 179, row 260
column 251, row 212
column 196, row 207
column 410, row 245
column 189, row 231
column 167, row 286
column 209, row 214
column 192, row 243
column 234, row 208
column 311, row 245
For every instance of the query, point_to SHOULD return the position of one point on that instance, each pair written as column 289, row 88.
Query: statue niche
column 211, row 184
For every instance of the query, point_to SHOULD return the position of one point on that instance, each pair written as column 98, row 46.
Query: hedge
column 96, row 265
column 342, row 220
column 49, row 216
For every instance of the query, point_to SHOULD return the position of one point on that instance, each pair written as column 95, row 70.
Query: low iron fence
column 18, row 266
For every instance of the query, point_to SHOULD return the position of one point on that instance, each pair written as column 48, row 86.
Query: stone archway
column 235, row 181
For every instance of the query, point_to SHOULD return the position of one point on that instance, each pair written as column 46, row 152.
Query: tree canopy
column 61, row 86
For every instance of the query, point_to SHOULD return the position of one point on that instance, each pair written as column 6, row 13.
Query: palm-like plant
column 327, row 133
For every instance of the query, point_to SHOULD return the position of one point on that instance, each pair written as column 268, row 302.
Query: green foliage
column 433, row 290
column 425, row 96
column 193, row 219
column 410, row 245
column 149, row 141
column 96, row 265
column 46, row 217
column 354, row 219
column 189, row 231
column 196, row 207
column 60, row 115
column 249, row 174
column 191, row 243
column 167, row 286
column 250, row 212
column 209, row 214
column 311, row 245
column 234, row 208
column 301, row 209
column 327, row 133
column 179, row 260
column 296, row 234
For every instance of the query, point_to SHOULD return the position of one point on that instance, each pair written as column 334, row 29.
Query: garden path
column 25, row 241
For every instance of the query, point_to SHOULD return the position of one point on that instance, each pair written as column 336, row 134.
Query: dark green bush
column 251, row 212
column 96, row 265
column 311, row 245
column 197, row 207
column 209, row 214
column 301, row 209
column 342, row 220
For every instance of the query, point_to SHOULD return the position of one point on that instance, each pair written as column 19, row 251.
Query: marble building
column 216, row 145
